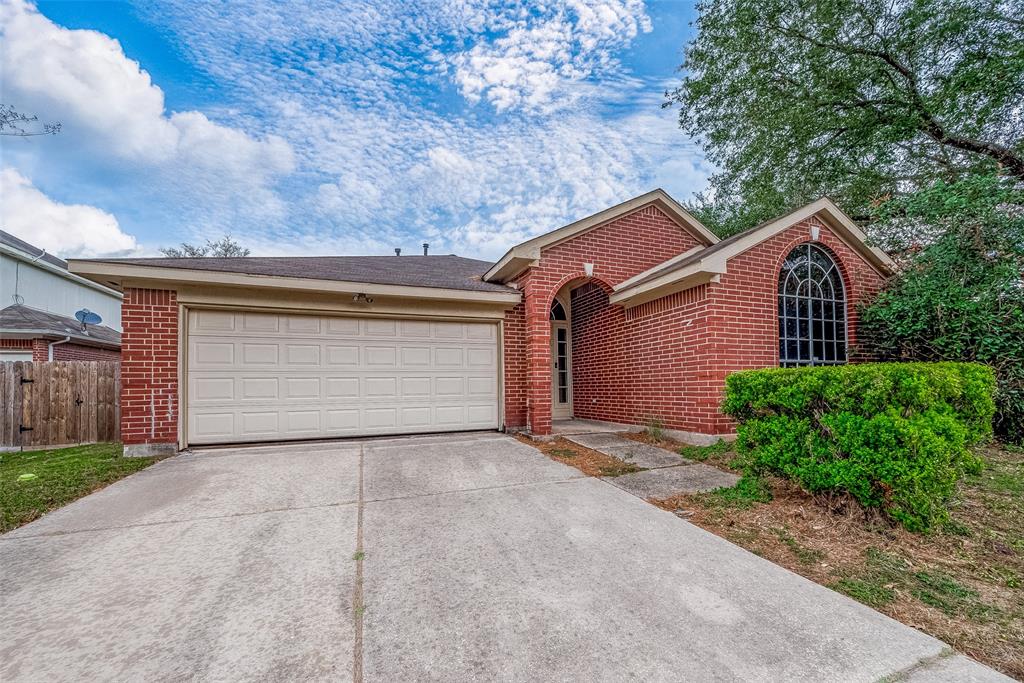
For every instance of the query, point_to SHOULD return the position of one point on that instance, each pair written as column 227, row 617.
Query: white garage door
column 265, row 377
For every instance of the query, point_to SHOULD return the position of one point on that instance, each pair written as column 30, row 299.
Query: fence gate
column 60, row 402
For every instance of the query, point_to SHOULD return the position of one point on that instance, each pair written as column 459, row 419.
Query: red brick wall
column 632, row 365
column 515, row 368
column 40, row 350
column 149, row 366
column 742, row 322
column 669, row 358
column 81, row 352
column 619, row 250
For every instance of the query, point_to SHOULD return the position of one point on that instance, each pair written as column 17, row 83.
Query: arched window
column 557, row 312
column 812, row 309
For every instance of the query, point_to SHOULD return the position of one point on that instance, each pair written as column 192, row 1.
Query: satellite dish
column 87, row 317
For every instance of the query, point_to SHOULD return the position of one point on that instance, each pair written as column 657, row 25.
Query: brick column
column 149, row 371
column 538, row 356
column 40, row 350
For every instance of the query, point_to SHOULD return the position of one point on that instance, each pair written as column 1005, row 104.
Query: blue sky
column 344, row 128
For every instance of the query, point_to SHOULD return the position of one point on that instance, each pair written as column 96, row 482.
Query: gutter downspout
column 65, row 340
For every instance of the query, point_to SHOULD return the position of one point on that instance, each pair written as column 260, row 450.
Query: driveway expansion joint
column 186, row 520
column 358, row 605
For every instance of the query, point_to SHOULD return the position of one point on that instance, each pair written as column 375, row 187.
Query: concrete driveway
column 476, row 558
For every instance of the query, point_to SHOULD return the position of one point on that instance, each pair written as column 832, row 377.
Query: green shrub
column 894, row 436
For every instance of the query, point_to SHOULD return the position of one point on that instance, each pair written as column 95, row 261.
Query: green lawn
column 34, row 482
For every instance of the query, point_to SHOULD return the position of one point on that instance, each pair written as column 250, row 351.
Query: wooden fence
column 60, row 402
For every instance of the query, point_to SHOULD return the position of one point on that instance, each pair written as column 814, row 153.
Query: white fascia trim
column 518, row 258
column 120, row 271
column 66, row 274
column 698, row 273
column 661, row 266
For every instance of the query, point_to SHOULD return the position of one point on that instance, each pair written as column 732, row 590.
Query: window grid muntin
column 823, row 325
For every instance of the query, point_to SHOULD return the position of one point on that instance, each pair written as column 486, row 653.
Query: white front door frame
column 561, row 370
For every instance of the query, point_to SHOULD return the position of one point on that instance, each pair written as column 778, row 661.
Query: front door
column 561, row 375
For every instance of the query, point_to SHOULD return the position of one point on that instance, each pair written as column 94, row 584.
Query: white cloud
column 109, row 104
column 371, row 102
column 539, row 55
column 68, row 230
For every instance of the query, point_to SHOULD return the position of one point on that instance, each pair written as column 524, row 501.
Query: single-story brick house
column 634, row 313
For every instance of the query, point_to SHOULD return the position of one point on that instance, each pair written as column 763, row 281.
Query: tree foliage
column 225, row 247
column 14, row 122
column 858, row 99
column 962, row 296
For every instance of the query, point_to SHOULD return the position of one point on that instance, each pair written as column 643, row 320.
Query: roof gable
column 527, row 253
column 707, row 264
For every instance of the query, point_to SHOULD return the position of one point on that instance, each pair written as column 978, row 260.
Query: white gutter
column 65, row 340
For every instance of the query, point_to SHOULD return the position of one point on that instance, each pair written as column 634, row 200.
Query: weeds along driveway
column 462, row 557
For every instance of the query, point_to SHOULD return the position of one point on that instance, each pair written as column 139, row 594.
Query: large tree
column 863, row 100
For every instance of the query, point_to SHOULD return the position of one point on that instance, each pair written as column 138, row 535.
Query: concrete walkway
column 456, row 558
column 666, row 473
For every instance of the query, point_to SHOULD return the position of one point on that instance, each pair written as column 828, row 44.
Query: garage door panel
column 259, row 388
column 347, row 327
column 416, row 386
column 450, row 415
column 377, row 356
column 302, row 388
column 481, row 386
column 256, row 423
column 380, row 328
column 259, row 354
column 263, row 376
column 342, row 356
column 481, row 414
column 213, row 321
column 341, row 387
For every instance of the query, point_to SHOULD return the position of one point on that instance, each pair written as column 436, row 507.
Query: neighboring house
column 632, row 314
column 38, row 301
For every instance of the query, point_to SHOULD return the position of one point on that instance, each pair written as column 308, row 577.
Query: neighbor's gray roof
column 23, row 246
column 23, row 319
column 448, row 272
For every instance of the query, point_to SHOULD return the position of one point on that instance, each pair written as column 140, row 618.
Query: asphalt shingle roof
column 448, row 272
column 23, row 246
column 21, row 318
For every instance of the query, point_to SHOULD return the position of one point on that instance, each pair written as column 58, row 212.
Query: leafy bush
column 894, row 436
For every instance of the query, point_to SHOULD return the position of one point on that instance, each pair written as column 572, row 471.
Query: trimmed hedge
column 894, row 436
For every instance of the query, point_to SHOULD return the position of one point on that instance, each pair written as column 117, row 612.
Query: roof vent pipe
column 398, row 251
column 425, row 248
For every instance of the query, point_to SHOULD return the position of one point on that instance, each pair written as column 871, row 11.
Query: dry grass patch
column 963, row 584
column 586, row 460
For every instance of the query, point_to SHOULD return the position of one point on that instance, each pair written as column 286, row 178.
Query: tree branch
column 931, row 126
